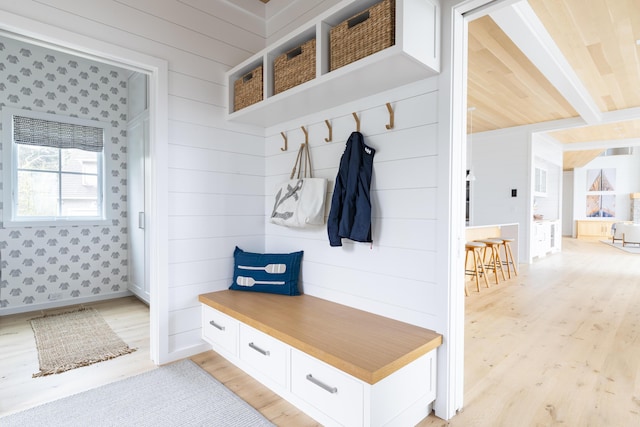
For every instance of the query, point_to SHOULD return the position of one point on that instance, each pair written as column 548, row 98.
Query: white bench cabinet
column 367, row 371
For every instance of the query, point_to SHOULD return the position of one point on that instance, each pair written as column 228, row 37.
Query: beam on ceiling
column 603, row 145
column 524, row 28
column 573, row 123
column 621, row 115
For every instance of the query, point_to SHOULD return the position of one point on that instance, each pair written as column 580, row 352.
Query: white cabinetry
column 264, row 353
column 546, row 238
column 415, row 56
column 220, row 330
column 540, row 182
column 330, row 391
column 401, row 396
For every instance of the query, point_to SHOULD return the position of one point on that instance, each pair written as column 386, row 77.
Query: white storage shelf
column 415, row 56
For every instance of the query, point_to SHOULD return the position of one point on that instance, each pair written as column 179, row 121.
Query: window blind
column 47, row 133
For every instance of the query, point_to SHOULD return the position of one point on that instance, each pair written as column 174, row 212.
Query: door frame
column 451, row 191
column 156, row 69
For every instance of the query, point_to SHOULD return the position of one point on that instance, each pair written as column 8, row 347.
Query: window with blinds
column 56, row 134
column 56, row 168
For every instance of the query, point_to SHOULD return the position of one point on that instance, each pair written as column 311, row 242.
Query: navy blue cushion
column 272, row 273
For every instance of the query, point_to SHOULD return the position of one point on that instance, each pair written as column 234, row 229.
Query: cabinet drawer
column 335, row 393
column 264, row 353
column 220, row 330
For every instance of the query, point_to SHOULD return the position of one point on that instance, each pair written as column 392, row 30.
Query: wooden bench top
column 363, row 344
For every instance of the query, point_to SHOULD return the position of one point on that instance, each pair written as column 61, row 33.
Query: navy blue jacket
column 350, row 214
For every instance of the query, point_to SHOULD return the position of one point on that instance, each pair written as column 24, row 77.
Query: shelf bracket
column 286, row 144
column 391, row 117
column 330, row 131
column 306, row 135
column 357, row 119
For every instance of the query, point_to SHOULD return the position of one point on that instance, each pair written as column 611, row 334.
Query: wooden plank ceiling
column 599, row 42
column 505, row 88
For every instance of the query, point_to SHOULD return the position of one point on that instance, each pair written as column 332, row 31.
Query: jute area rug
column 180, row 394
column 74, row 339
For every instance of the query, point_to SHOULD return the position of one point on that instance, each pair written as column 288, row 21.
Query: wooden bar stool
column 509, row 261
column 474, row 249
column 495, row 262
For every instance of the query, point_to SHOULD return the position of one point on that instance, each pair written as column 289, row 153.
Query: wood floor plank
column 558, row 345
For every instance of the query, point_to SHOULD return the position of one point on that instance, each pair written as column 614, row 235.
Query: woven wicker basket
column 247, row 89
column 363, row 34
column 294, row 67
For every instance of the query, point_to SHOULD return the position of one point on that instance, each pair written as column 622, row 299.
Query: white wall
column 549, row 205
column 567, row 203
column 503, row 160
column 395, row 276
column 547, row 155
column 500, row 163
column 627, row 169
column 285, row 16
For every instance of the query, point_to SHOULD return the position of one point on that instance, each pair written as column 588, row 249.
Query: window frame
column 10, row 173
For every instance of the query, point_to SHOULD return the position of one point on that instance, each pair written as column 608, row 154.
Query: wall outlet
column 55, row 296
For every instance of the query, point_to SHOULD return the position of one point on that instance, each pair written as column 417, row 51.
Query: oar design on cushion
column 250, row 281
column 269, row 268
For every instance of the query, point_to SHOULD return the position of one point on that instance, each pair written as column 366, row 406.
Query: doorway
column 156, row 185
column 460, row 75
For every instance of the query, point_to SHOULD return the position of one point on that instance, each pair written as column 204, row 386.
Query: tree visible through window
column 56, row 182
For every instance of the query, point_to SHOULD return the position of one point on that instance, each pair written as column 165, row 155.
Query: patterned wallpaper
column 45, row 264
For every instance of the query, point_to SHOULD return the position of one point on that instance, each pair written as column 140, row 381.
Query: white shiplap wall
column 285, row 16
column 395, row 276
column 221, row 175
column 417, row 218
column 215, row 169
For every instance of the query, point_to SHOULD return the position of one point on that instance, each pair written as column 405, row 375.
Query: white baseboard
column 185, row 353
column 62, row 303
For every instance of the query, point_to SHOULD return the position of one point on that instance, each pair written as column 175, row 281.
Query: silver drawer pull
column 322, row 385
column 215, row 325
column 258, row 349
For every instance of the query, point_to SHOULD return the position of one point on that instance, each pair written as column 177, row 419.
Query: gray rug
column 629, row 248
column 180, row 394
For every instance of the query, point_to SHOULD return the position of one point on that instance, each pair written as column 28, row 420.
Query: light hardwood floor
column 128, row 317
column 558, row 345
